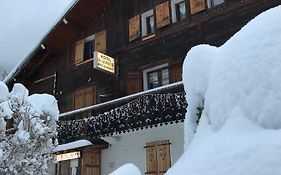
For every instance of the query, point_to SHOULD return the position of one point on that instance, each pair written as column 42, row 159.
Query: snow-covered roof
column 26, row 59
column 73, row 145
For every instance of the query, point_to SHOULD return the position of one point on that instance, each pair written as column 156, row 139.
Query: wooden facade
column 61, row 70
column 148, row 40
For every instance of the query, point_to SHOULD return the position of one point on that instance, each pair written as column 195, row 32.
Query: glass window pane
column 180, row 11
column 165, row 76
column 153, row 80
column 150, row 24
column 217, row 2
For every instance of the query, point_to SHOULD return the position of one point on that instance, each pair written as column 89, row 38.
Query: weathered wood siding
column 171, row 43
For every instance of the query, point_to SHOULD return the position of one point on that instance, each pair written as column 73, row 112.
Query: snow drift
column 238, row 86
column 127, row 169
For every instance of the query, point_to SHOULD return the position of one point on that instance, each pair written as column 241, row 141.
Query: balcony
column 161, row 106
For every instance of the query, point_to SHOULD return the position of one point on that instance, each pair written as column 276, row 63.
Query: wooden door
column 91, row 162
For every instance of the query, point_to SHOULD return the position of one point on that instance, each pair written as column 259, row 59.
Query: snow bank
column 127, row 169
column 238, row 87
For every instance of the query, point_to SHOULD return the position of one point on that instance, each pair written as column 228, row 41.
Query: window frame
column 210, row 4
column 144, row 17
column 147, row 71
column 174, row 3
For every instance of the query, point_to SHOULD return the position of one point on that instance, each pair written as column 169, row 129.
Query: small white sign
column 68, row 156
column 104, row 63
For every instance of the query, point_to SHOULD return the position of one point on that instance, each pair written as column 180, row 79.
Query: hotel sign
column 104, row 63
column 68, row 156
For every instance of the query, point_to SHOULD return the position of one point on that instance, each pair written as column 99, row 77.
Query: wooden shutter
column 134, row 28
column 79, row 51
column 100, row 41
column 163, row 157
column 197, row 6
column 91, row 162
column 151, row 160
column 163, row 15
column 175, row 70
column 158, row 158
column 89, row 96
column 79, row 99
column 85, row 97
column 133, row 83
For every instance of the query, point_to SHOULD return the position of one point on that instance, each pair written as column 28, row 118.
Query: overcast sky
column 23, row 23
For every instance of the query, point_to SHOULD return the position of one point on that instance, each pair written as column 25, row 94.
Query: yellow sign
column 104, row 62
column 68, row 156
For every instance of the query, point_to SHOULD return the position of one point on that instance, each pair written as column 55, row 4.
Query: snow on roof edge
column 27, row 58
column 72, row 145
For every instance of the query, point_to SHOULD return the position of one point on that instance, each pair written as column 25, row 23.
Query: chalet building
column 115, row 68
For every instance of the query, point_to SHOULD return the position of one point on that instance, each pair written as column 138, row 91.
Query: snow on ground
column 238, row 85
column 127, row 169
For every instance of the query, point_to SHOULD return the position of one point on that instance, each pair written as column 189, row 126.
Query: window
column 178, row 10
column 68, row 167
column 212, row 3
column 85, row 48
column 148, row 24
column 158, row 158
column 89, row 48
column 156, row 77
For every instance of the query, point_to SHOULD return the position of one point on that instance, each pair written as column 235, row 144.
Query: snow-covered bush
column 127, row 169
column 238, row 86
column 26, row 148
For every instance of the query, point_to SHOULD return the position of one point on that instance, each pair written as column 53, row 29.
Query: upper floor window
column 212, row 3
column 89, row 48
column 178, row 10
column 85, row 48
column 148, row 24
column 156, row 77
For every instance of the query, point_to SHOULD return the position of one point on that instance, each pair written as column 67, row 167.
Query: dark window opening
column 181, row 11
column 89, row 48
column 150, row 24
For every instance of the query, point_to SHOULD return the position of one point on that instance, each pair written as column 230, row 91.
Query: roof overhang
column 67, row 28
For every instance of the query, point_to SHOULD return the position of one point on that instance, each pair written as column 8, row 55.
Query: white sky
column 23, row 23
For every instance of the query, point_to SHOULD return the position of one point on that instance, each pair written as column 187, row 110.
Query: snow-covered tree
column 26, row 148
column 3, row 74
